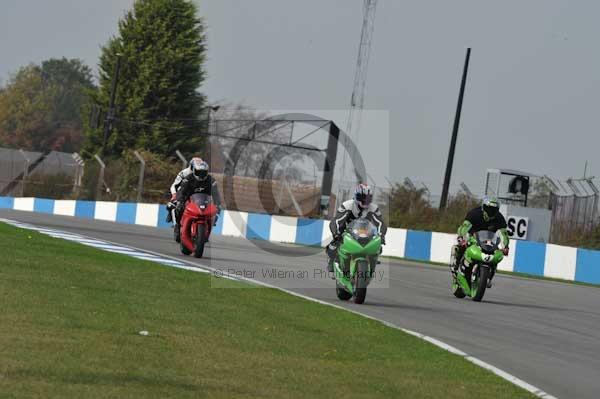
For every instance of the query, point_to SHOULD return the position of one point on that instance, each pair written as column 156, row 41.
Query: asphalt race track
column 546, row 333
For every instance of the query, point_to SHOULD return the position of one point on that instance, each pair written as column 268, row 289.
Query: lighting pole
column 444, row 198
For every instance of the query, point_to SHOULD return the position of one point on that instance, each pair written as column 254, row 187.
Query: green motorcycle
column 477, row 266
column 356, row 259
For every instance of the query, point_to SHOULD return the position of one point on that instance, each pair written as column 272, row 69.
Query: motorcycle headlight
column 360, row 232
column 488, row 247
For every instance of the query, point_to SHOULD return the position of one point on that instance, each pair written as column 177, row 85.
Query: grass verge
column 71, row 315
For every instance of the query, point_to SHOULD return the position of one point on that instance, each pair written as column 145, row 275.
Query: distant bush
column 408, row 207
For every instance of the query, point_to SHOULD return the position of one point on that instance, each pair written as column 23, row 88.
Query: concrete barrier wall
column 529, row 257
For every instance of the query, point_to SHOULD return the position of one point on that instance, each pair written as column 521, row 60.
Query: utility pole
column 111, row 106
column 444, row 198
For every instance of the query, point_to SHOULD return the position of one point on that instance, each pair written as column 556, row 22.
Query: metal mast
column 360, row 80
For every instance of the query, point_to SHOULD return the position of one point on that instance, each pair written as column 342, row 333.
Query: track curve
column 546, row 333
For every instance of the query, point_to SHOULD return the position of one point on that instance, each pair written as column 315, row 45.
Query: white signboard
column 517, row 227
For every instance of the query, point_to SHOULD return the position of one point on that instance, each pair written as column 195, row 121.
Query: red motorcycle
column 196, row 224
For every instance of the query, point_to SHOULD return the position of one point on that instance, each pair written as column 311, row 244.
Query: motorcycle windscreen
column 201, row 200
column 488, row 240
column 362, row 230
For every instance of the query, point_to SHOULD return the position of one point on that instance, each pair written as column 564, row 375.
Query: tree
column 161, row 44
column 40, row 107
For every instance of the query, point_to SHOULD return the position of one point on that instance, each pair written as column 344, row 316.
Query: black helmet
column 490, row 207
column 363, row 195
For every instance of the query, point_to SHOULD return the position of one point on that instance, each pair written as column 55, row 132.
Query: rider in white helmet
column 184, row 173
column 198, row 181
column 194, row 179
column 361, row 205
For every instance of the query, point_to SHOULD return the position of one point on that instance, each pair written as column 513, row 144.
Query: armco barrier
column 529, row 257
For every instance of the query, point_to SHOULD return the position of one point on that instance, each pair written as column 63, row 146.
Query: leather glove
column 462, row 242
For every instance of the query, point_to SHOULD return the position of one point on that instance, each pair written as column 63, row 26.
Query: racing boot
column 454, row 260
column 330, row 266
column 331, row 251
column 177, row 233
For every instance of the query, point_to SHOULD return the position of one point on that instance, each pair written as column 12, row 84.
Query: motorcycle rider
column 184, row 173
column 198, row 181
column 360, row 205
column 484, row 217
column 172, row 204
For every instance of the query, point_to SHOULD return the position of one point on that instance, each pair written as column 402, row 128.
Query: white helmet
column 194, row 159
column 199, row 169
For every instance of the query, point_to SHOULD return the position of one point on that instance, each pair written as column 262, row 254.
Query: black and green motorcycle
column 354, row 265
column 477, row 266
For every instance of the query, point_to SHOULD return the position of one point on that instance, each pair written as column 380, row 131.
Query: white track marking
column 103, row 245
column 171, row 261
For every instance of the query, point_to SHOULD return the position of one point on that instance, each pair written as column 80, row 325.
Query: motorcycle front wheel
column 483, row 273
column 361, row 281
column 200, row 241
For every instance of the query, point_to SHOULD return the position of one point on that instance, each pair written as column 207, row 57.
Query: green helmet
column 490, row 207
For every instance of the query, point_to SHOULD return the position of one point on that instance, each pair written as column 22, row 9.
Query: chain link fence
column 574, row 205
column 26, row 173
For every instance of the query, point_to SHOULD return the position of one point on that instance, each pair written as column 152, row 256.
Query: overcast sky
column 532, row 98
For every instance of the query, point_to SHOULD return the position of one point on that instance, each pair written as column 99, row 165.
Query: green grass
column 70, row 317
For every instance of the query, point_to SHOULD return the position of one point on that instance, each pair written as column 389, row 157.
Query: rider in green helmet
column 484, row 217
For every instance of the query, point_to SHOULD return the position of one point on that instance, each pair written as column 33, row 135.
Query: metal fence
column 21, row 170
column 574, row 205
